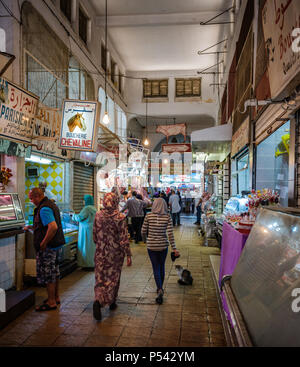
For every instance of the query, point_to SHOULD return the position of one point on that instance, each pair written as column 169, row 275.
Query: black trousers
column 176, row 218
column 137, row 226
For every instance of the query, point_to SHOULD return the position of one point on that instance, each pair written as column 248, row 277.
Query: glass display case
column 11, row 212
column 266, row 280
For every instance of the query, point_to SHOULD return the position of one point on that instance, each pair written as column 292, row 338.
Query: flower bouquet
column 5, row 175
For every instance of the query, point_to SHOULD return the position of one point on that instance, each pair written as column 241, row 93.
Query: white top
column 174, row 203
column 188, row 195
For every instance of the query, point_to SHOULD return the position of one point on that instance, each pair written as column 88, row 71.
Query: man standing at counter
column 48, row 238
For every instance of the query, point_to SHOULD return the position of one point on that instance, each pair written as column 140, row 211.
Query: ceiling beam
column 153, row 20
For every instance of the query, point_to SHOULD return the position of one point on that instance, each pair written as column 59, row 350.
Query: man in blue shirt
column 48, row 238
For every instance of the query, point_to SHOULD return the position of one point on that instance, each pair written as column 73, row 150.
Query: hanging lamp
column 146, row 141
column 106, row 119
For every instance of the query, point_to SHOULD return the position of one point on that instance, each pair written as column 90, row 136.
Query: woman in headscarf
column 86, row 245
column 158, row 231
column 111, row 239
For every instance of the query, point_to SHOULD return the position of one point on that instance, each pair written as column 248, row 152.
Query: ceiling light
column 37, row 159
column 105, row 119
column 146, row 142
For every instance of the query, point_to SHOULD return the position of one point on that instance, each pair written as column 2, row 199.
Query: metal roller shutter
column 83, row 184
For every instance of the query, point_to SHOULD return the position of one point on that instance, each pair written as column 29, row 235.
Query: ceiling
column 163, row 34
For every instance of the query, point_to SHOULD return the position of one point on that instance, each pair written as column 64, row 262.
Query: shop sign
column 280, row 19
column 46, row 132
column 176, row 148
column 241, row 137
column 172, row 130
column 17, row 112
column 79, row 125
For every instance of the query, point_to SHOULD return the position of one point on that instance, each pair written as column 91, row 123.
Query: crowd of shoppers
column 103, row 240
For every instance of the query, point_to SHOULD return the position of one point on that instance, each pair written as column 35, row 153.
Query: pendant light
column 146, row 141
column 106, row 117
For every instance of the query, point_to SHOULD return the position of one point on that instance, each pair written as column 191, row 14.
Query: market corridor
column 189, row 316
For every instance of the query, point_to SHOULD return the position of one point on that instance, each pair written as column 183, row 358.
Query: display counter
column 233, row 243
column 13, row 302
column 263, row 292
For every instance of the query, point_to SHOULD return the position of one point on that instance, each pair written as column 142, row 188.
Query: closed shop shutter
column 83, row 184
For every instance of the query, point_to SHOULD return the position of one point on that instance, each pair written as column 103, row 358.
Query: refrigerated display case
column 11, row 212
column 263, row 303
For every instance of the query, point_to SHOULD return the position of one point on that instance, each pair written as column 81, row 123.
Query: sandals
column 159, row 298
column 46, row 300
column 45, row 307
column 97, row 310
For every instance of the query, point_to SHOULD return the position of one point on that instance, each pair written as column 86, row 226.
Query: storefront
column 240, row 169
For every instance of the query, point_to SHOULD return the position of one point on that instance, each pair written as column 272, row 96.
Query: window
column 112, row 70
column 120, row 82
column 81, row 85
column 103, row 57
column 188, row 88
column 240, row 175
column 65, row 7
column 275, row 174
column 48, row 86
column 2, row 40
column 83, row 21
column 155, row 88
column 110, row 109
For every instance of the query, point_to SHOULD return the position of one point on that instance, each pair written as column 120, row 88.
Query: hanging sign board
column 280, row 19
column 176, row 148
column 172, row 130
column 241, row 137
column 79, row 125
column 17, row 112
column 46, row 132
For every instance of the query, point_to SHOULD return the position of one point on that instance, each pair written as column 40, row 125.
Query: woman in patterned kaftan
column 111, row 238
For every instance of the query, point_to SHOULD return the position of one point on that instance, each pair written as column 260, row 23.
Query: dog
column 185, row 277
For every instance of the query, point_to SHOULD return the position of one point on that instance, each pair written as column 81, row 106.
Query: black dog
column 184, row 275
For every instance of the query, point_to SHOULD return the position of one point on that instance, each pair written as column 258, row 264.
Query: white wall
column 134, row 93
column 89, row 57
column 202, row 113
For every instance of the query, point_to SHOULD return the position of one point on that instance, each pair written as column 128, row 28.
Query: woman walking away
column 86, row 245
column 158, row 230
column 111, row 239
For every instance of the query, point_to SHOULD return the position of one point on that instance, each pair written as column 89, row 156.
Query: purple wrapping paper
column 233, row 243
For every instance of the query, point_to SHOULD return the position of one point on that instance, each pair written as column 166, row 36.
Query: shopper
column 111, row 239
column 164, row 196
column 48, row 238
column 180, row 200
column 198, row 201
column 157, row 230
column 86, row 245
column 188, row 201
column 175, row 208
column 135, row 208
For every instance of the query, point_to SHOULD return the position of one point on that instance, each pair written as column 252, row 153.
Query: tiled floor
column 188, row 317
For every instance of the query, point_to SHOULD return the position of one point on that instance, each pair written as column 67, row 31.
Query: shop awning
column 215, row 141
